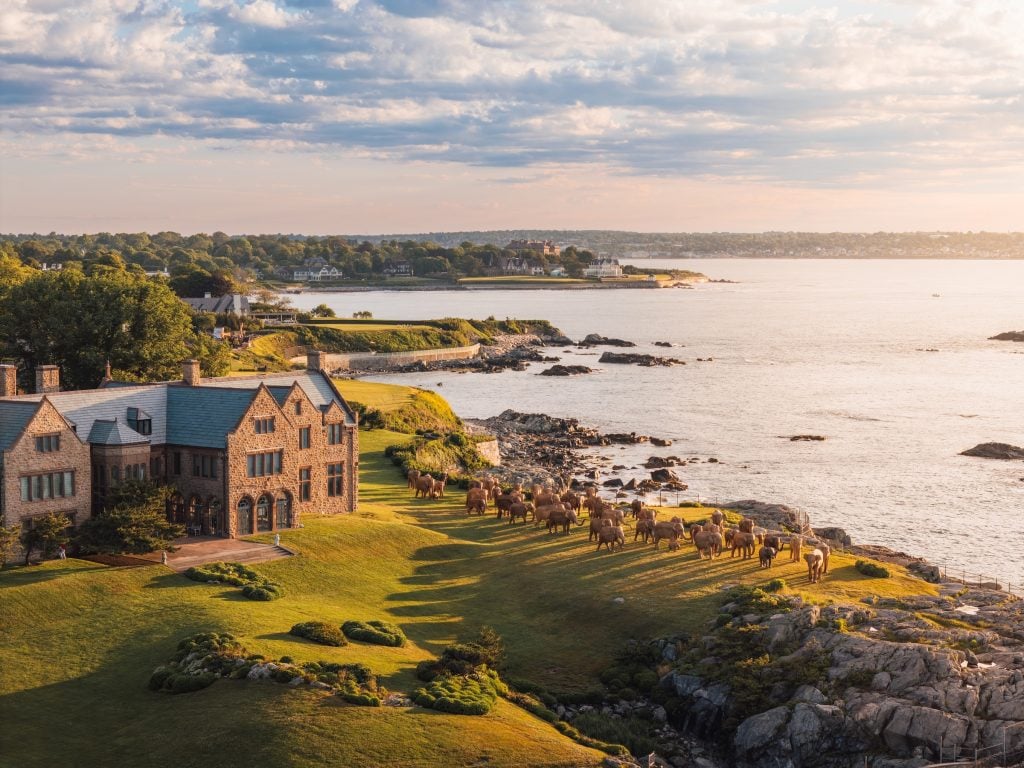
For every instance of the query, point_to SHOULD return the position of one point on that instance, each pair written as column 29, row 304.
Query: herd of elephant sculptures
column 560, row 510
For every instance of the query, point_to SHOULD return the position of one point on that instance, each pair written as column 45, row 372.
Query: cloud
column 743, row 89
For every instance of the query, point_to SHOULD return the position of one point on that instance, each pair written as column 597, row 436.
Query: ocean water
column 830, row 347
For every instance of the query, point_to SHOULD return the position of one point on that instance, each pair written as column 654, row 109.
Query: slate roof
column 202, row 416
column 114, row 432
column 85, row 406
column 316, row 386
column 232, row 302
column 14, row 417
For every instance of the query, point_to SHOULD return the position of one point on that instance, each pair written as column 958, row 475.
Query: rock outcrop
column 565, row 370
column 1008, row 336
column 995, row 451
column 595, row 340
column 633, row 358
column 901, row 683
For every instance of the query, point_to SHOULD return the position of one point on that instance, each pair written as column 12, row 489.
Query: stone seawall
column 382, row 361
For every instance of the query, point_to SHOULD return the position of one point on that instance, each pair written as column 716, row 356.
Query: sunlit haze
column 425, row 115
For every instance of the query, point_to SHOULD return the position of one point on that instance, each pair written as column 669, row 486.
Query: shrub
column 376, row 632
column 872, row 570
column 229, row 573
column 473, row 694
column 319, row 632
column 264, row 591
column 775, row 585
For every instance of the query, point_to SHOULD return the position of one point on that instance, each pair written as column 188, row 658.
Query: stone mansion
column 244, row 454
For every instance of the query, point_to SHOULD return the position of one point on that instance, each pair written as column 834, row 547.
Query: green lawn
column 520, row 280
column 78, row 641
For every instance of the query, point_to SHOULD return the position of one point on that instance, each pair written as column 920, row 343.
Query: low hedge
column 873, row 570
column 264, row 591
column 319, row 632
column 376, row 632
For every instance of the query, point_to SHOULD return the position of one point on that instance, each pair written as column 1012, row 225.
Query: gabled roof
column 231, row 302
column 14, row 417
column 114, row 432
column 203, row 416
column 83, row 407
column 317, row 386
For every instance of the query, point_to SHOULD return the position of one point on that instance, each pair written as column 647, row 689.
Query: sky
column 400, row 116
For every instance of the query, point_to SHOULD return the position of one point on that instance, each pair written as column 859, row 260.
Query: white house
column 603, row 268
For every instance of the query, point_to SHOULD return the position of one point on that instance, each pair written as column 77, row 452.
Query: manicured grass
column 386, row 397
column 78, row 641
column 520, row 280
column 355, row 326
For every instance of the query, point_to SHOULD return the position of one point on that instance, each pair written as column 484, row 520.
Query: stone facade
column 243, row 455
column 23, row 460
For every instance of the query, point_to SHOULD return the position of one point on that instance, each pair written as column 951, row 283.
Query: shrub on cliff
column 871, row 569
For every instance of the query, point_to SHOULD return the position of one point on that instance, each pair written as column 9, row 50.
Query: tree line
column 198, row 264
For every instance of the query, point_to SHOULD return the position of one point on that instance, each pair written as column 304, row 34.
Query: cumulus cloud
column 744, row 89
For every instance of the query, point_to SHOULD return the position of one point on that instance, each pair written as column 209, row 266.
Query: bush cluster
column 201, row 659
column 254, row 586
column 871, row 569
column 473, row 694
column 319, row 632
column 197, row 662
column 376, row 632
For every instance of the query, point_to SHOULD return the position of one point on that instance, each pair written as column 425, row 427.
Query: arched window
column 284, row 511
column 245, row 517
column 263, row 521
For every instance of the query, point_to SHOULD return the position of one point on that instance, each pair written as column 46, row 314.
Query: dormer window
column 140, row 421
column 263, row 426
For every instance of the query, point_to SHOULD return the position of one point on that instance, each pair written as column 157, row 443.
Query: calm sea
column 835, row 348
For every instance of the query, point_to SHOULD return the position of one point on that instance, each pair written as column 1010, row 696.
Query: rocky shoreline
column 884, row 682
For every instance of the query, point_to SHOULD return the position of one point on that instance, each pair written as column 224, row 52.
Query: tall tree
column 80, row 323
column 46, row 534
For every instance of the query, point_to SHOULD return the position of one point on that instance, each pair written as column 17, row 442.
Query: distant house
column 159, row 272
column 522, row 265
column 229, row 304
column 544, row 247
column 316, row 275
column 398, row 269
column 558, row 272
column 603, row 268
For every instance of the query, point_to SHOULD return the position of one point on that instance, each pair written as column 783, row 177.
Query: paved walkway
column 197, row 550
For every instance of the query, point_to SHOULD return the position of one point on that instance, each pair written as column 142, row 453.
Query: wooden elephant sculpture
column 476, row 501
column 609, row 536
column 424, row 486
column 766, row 555
column 745, row 543
column 815, row 560
column 411, row 477
column 563, row 519
column 670, row 531
column 718, row 517
column 504, row 501
column 645, row 529
column 708, row 544
column 519, row 511
column 746, row 525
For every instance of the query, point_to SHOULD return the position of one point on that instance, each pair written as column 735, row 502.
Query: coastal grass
column 79, row 640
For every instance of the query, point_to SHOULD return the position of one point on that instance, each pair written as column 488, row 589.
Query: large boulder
column 1008, row 336
column 995, row 451
column 594, row 340
column 664, row 476
column 755, row 733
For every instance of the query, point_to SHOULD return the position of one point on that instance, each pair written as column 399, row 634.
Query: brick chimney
column 8, row 380
column 190, row 372
column 47, row 379
column 314, row 360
